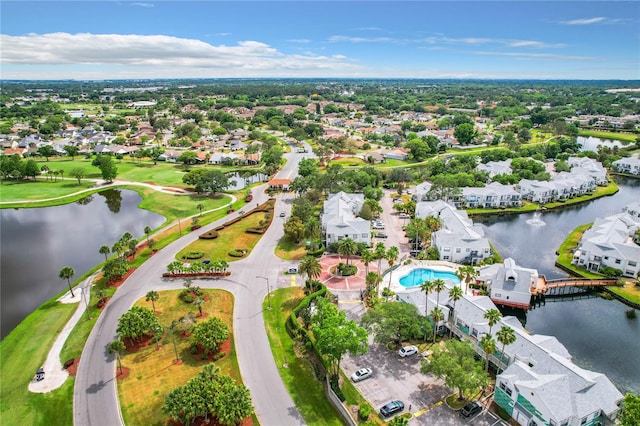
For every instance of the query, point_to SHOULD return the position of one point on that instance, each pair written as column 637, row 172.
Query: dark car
column 380, row 235
column 471, row 409
column 391, row 408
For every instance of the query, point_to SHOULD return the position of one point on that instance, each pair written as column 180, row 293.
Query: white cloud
column 299, row 40
column 590, row 21
column 533, row 43
column 139, row 4
column 348, row 39
column 547, row 56
column 137, row 53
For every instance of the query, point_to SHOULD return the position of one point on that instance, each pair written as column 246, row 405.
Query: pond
column 591, row 143
column 594, row 330
column 37, row 243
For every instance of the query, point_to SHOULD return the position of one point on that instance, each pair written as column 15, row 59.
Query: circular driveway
column 335, row 282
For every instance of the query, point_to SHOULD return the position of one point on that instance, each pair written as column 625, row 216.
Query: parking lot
column 400, row 378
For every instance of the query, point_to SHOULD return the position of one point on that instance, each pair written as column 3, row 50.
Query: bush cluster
column 211, row 235
column 193, row 255
column 364, row 412
column 347, row 270
column 237, row 252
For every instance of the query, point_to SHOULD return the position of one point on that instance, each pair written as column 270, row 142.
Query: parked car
column 471, row 409
column 404, row 216
column 408, row 351
column 282, row 214
column 378, row 226
column 293, row 270
column 361, row 374
column 380, row 235
column 391, row 408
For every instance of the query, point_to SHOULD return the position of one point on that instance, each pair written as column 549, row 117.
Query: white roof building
column 339, row 218
column 629, row 165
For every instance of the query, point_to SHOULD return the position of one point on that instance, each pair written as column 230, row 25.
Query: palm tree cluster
column 216, row 266
column 138, row 323
column 209, row 394
column 310, row 266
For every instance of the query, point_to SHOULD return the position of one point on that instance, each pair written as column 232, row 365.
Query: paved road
column 95, row 394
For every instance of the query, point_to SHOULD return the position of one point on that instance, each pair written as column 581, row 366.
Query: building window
column 632, row 263
column 583, row 421
column 617, row 261
column 364, row 235
column 446, row 258
column 468, row 249
column 447, row 249
column 458, row 250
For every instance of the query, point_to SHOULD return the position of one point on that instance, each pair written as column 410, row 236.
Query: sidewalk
column 54, row 373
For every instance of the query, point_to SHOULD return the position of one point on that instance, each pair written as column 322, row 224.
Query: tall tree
column 233, row 404
column 347, row 247
column 372, row 280
column 137, row 323
column 79, row 173
column 454, row 362
column 107, row 167
column 152, row 297
column 66, row 273
column 104, row 249
column 630, row 410
column 427, row 287
column 380, row 253
column 489, row 347
column 310, row 267
column 455, row 293
column 466, row 273
column 438, row 286
column 336, row 335
column 493, row 316
column 117, row 347
column 147, row 231
column 392, row 256
column 210, row 334
column 366, row 257
column 436, row 315
column 393, row 322
column 506, row 336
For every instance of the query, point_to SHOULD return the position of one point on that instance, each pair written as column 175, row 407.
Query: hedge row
column 211, row 235
column 195, row 274
column 295, row 330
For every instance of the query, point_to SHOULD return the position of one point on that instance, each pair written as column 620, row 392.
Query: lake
column 595, row 331
column 37, row 243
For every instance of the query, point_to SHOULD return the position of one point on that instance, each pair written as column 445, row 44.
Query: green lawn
column 298, row 377
column 22, row 352
column 628, row 137
column 630, row 291
column 11, row 190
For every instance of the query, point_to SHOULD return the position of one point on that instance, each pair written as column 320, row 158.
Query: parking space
column 400, row 378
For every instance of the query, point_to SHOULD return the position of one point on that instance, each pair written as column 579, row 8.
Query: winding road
column 95, row 399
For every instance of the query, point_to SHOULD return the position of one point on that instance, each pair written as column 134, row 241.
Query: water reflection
column 37, row 243
column 591, row 143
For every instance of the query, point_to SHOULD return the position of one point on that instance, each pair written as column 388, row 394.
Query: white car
column 408, row 351
column 361, row 374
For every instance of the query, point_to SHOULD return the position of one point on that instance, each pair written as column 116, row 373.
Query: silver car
column 361, row 374
column 408, row 351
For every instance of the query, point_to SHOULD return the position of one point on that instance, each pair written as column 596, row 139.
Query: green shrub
column 237, row 252
column 219, row 355
column 335, row 386
column 204, row 356
column 193, row 255
column 347, row 270
column 631, row 314
column 186, row 296
column 194, row 349
column 364, row 412
column 211, row 235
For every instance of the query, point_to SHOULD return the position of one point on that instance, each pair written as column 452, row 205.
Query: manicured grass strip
column 296, row 372
column 29, row 190
column 153, row 373
column 289, row 250
column 630, row 291
column 601, row 191
column 629, row 137
column 22, row 352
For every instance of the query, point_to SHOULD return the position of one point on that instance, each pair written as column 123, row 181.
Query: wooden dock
column 543, row 286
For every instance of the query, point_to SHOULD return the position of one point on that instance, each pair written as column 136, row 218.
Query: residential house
column 537, row 191
column 494, row 195
column 496, row 167
column 629, row 165
column 421, row 191
column 611, row 242
column 339, row 219
column 508, row 283
column 396, row 154
column 538, row 383
column 459, row 240
column 589, row 167
column 223, row 157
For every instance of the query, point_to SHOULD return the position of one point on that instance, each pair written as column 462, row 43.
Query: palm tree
column 347, row 247
column 310, row 267
column 372, row 280
column 200, row 207
column 117, row 347
column 152, row 296
column 438, row 286
column 105, row 250
column 67, row 273
column 392, row 255
column 437, row 315
column 493, row 316
column 455, row 293
column 467, row 274
column 506, row 336
column 147, row 230
column 489, row 347
column 380, row 253
column 366, row 257
column 427, row 287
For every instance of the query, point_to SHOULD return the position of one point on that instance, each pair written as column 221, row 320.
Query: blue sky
column 382, row 39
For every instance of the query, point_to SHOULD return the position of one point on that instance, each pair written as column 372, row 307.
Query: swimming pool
column 420, row 275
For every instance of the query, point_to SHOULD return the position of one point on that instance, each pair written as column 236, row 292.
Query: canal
column 37, row 243
column 595, row 331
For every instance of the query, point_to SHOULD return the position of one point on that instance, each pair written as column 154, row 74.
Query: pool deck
column 402, row 270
